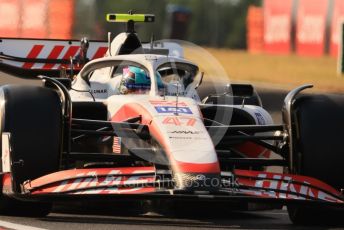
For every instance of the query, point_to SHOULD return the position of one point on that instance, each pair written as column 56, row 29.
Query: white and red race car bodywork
column 180, row 158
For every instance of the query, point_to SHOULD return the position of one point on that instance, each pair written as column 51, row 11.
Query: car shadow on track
column 205, row 218
column 235, row 220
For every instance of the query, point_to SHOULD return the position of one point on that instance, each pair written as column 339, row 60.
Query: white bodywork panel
column 183, row 134
column 6, row 157
column 102, row 85
column 105, row 89
column 173, row 116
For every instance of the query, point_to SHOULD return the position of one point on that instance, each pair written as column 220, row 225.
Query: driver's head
column 135, row 80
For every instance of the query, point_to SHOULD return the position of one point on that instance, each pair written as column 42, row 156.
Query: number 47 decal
column 179, row 121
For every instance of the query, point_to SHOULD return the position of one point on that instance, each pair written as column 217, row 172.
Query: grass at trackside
column 288, row 71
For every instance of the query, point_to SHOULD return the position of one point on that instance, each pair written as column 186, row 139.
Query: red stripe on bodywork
column 100, row 52
column 35, row 51
column 71, row 52
column 53, row 55
column 64, row 175
column 97, row 180
column 265, row 182
column 133, row 110
column 6, row 182
column 252, row 150
column 198, row 168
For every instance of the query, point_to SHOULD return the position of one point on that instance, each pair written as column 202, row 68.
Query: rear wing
column 48, row 54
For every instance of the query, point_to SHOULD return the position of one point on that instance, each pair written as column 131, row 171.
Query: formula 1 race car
column 131, row 126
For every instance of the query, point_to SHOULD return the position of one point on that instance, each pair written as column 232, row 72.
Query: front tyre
column 318, row 150
column 33, row 117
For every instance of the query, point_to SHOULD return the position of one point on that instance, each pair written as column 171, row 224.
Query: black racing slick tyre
column 33, row 117
column 319, row 151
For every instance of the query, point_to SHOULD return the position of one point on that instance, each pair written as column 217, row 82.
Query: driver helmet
column 135, row 80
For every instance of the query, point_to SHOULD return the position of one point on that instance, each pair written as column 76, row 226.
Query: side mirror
column 240, row 90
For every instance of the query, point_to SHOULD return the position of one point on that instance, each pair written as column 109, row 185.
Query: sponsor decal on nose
column 171, row 109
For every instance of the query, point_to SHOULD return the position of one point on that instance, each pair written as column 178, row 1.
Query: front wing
column 149, row 183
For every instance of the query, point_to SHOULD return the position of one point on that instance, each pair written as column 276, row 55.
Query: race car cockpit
column 116, row 77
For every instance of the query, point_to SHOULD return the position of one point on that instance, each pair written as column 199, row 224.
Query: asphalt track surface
column 86, row 216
